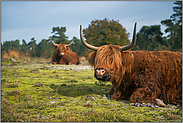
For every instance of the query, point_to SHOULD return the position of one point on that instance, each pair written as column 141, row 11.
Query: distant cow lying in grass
column 138, row 76
column 62, row 55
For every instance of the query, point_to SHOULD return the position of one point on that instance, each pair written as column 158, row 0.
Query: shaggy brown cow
column 138, row 76
column 62, row 55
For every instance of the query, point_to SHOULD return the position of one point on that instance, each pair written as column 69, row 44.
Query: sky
column 35, row 19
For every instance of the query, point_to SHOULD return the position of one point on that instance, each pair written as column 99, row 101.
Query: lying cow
column 62, row 55
column 138, row 76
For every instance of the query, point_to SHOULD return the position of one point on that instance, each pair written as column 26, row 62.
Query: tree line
column 103, row 32
column 150, row 37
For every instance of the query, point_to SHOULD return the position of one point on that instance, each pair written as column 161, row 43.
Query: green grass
column 38, row 93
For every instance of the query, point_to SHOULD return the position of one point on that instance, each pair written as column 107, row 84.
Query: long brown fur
column 68, row 58
column 141, row 76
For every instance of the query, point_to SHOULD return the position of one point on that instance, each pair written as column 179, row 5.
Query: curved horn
column 85, row 43
column 133, row 41
column 53, row 42
column 70, row 43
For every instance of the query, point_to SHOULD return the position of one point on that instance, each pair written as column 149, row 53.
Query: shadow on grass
column 81, row 89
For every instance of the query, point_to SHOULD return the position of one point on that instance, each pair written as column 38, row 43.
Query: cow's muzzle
column 62, row 54
column 101, row 74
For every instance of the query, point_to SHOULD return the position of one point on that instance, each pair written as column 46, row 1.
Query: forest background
column 103, row 32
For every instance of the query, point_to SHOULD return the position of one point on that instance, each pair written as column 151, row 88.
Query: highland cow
column 138, row 76
column 62, row 55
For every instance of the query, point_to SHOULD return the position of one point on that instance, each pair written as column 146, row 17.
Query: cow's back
column 74, row 57
column 164, row 63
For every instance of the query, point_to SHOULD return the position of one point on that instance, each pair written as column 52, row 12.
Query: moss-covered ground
column 42, row 93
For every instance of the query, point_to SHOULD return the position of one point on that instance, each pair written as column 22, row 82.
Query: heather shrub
column 5, row 55
column 13, row 54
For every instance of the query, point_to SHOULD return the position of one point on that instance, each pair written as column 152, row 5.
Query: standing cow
column 138, row 76
column 62, row 55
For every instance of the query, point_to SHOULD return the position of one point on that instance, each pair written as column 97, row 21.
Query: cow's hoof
column 160, row 103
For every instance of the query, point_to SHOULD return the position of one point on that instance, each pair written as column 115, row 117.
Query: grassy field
column 58, row 93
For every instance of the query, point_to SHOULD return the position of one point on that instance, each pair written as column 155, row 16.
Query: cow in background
column 63, row 55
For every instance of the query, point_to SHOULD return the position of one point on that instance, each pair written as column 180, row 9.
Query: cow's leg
column 116, row 93
column 111, row 91
column 142, row 95
column 115, row 96
column 70, row 63
column 54, row 62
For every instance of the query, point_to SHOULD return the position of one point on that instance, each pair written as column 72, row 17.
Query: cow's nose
column 101, row 74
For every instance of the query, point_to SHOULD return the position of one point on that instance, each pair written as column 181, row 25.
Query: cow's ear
column 55, row 47
column 91, row 58
column 127, row 61
column 67, row 48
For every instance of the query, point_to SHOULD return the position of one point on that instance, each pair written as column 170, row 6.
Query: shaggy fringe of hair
column 113, row 59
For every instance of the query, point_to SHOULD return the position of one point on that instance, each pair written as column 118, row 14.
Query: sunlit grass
column 40, row 93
